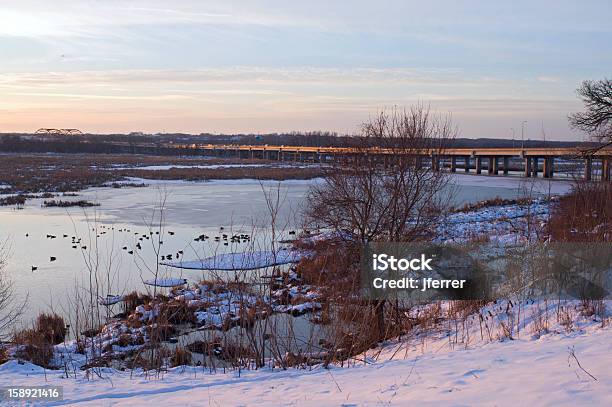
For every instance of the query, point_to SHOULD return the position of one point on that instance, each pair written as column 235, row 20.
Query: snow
column 240, row 261
column 517, row 359
column 166, row 282
column 529, row 370
column 535, row 185
column 241, row 181
column 110, row 299
column 210, row 166
column 503, row 222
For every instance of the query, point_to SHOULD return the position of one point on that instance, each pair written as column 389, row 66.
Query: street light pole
column 523, row 133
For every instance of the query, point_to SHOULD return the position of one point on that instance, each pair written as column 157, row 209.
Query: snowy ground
column 240, row 261
column 212, row 166
column 533, row 185
column 503, row 223
column 449, row 365
column 526, row 371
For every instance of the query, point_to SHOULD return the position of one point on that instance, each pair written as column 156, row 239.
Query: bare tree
column 596, row 120
column 391, row 189
column 385, row 191
column 10, row 307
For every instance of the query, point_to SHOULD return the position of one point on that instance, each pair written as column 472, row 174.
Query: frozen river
column 114, row 229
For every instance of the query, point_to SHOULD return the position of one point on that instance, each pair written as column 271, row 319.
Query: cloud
column 249, row 74
column 548, row 79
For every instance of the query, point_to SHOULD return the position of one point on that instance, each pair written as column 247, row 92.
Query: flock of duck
column 154, row 236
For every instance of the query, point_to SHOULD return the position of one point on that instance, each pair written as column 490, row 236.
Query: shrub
column 584, row 215
column 52, row 327
column 180, row 357
column 3, row 355
column 34, row 346
column 132, row 300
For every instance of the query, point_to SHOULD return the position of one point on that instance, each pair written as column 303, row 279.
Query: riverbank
column 27, row 174
column 571, row 368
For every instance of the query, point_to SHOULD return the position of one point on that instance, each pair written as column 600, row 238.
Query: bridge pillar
column 605, row 169
column 547, row 170
column 506, row 165
column 478, row 165
column 466, row 163
column 453, row 164
column 418, row 162
column 490, row 165
column 527, row 167
column 588, row 169
column 534, row 167
column 435, row 163
column 495, row 165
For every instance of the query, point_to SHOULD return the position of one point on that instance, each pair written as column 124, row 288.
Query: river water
column 189, row 209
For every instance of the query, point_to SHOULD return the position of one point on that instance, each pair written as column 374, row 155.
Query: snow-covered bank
column 526, row 372
column 531, row 185
column 501, row 222
column 212, row 166
column 240, row 261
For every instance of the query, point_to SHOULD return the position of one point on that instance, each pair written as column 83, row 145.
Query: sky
column 272, row 66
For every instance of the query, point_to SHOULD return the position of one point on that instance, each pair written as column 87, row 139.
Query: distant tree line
column 139, row 143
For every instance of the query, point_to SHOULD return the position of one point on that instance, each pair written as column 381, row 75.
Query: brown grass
column 134, row 299
column 17, row 200
column 584, row 215
column 177, row 312
column 4, row 357
column 34, row 347
column 180, row 357
column 33, row 173
column 52, row 326
column 492, row 202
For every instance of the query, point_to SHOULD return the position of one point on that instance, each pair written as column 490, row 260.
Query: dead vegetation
column 180, row 357
column 34, row 173
column 583, row 215
column 16, row 200
column 68, row 204
column 36, row 344
column 4, row 355
column 52, row 326
column 493, row 202
column 33, row 346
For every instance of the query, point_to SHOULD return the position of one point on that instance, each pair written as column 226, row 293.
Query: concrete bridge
column 531, row 161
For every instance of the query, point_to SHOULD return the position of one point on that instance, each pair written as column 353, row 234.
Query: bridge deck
column 472, row 152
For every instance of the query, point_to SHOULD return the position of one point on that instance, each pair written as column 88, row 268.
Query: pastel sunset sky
column 271, row 66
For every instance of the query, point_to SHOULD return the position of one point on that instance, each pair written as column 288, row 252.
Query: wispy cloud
column 264, row 65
